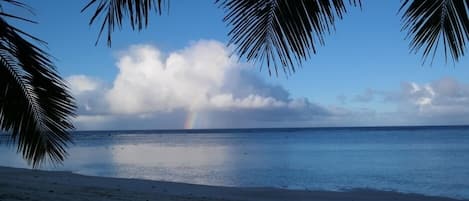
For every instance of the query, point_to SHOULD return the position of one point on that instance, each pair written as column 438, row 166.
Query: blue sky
column 365, row 65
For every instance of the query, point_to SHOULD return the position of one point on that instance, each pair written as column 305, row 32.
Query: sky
column 179, row 73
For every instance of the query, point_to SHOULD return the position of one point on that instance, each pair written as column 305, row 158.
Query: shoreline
column 26, row 184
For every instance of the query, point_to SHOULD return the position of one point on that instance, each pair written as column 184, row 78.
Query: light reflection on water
column 428, row 162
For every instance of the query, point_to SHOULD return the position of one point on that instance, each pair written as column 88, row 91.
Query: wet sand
column 24, row 184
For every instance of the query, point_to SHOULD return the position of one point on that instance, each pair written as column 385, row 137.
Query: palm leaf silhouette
column 284, row 33
column 280, row 32
column 35, row 104
column 434, row 22
column 115, row 12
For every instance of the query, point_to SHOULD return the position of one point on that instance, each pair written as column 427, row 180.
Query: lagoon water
column 425, row 160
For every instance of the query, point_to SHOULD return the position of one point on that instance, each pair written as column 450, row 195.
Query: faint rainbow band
column 191, row 119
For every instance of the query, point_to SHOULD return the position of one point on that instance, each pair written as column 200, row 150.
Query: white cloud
column 202, row 85
column 148, row 82
column 82, row 83
column 191, row 79
column 438, row 99
column 440, row 102
column 89, row 94
column 201, row 78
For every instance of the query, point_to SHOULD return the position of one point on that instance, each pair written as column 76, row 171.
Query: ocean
column 424, row 160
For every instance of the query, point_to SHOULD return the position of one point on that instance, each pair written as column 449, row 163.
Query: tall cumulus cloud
column 157, row 90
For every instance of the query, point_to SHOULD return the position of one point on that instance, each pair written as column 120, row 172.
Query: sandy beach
column 25, row 184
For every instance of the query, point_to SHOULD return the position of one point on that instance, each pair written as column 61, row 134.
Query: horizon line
column 252, row 129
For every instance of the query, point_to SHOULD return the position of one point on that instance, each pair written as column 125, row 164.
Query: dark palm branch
column 281, row 32
column 115, row 12
column 434, row 22
column 35, row 104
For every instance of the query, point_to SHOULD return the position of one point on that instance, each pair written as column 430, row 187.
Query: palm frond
column 281, row 32
column 35, row 104
column 17, row 4
column 433, row 22
column 115, row 12
column 3, row 14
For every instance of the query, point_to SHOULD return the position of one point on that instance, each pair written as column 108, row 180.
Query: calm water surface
column 432, row 161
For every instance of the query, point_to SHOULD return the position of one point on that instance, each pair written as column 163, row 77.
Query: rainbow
column 191, row 119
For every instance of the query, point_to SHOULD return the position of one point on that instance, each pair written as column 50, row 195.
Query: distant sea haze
column 189, row 129
column 430, row 160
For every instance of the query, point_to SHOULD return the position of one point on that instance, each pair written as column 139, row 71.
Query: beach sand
column 24, row 184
